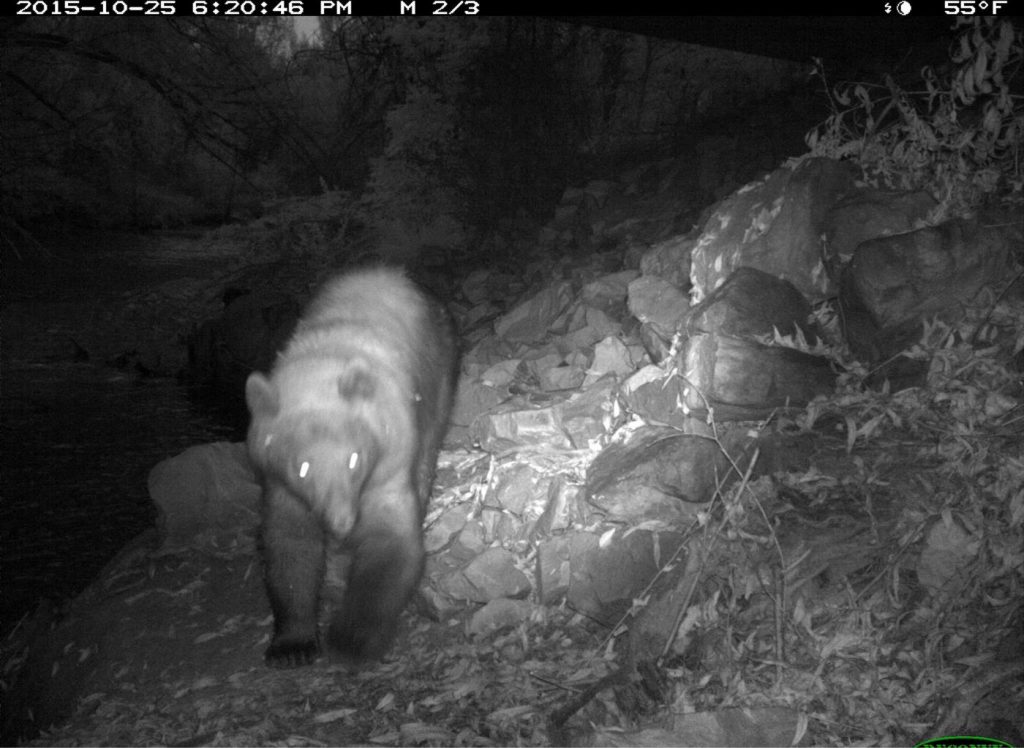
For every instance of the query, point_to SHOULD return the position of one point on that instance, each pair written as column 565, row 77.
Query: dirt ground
column 168, row 649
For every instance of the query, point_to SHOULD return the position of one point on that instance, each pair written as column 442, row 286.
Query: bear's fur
column 344, row 434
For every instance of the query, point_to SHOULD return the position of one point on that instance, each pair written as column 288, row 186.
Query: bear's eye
column 304, row 469
column 353, row 460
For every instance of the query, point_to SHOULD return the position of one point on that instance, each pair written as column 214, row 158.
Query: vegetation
column 111, row 121
column 156, row 123
column 439, row 129
column 959, row 137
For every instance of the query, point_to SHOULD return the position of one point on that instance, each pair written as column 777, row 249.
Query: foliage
column 940, row 466
column 413, row 194
column 958, row 138
column 448, row 126
column 881, row 580
column 157, row 122
column 130, row 120
column 481, row 122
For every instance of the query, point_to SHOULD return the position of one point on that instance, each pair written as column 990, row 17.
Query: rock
column 656, row 396
column 517, row 488
column 868, row 214
column 659, row 474
column 593, row 413
column 490, row 575
column 478, row 316
column 476, row 287
column 656, row 347
column 608, row 294
column 553, row 571
column 894, row 283
column 670, row 260
column 751, row 304
column 556, row 372
column 774, row 225
column 207, row 497
column 472, row 400
column 472, row 539
column 518, row 423
column 563, row 507
column 744, row 381
column 450, row 523
column 501, row 374
column 530, row 321
column 656, row 302
column 499, row 614
column 611, row 356
column 597, row 325
column 607, row 576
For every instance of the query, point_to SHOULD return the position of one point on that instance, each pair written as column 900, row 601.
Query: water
column 78, row 438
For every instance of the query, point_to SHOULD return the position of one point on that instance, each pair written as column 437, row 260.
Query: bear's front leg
column 387, row 563
column 293, row 546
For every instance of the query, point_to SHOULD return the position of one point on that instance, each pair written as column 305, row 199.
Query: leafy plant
column 958, row 138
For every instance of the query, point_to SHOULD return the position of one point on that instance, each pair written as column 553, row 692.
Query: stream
column 81, row 423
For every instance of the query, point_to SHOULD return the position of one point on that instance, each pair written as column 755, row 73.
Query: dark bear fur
column 344, row 434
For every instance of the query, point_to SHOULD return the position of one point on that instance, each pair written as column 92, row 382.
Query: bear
column 344, row 434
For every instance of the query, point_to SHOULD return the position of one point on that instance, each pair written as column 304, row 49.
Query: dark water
column 76, row 453
column 78, row 438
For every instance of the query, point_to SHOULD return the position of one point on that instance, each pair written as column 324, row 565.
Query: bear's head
column 323, row 452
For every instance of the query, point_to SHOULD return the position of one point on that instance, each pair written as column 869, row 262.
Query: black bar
column 892, row 11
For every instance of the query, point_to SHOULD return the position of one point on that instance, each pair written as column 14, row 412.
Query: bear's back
column 378, row 295
column 375, row 310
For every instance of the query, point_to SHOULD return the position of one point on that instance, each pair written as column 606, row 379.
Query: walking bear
column 344, row 434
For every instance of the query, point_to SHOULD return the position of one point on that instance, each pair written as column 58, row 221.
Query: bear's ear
column 356, row 384
column 261, row 395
